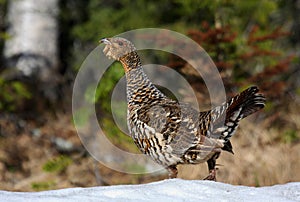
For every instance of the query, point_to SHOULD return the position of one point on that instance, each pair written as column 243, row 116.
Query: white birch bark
column 32, row 46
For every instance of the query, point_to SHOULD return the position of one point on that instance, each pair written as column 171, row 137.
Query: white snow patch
column 168, row 190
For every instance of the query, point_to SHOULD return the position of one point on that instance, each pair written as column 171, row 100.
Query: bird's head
column 117, row 47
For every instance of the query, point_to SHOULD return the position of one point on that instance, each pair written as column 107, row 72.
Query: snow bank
column 167, row 190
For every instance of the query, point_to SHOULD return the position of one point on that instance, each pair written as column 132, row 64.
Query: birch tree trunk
column 32, row 47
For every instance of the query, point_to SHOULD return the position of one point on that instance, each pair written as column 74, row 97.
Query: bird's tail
column 240, row 106
column 244, row 104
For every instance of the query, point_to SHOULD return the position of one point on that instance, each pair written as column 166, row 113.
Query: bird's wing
column 179, row 126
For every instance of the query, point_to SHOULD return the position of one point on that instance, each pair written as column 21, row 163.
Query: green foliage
column 268, row 106
column 81, row 116
column 298, row 91
column 3, row 34
column 256, row 180
column 116, row 136
column 135, row 168
column 240, row 14
column 58, row 164
column 41, row 186
column 290, row 136
column 12, row 94
column 107, row 84
column 105, row 19
column 111, row 18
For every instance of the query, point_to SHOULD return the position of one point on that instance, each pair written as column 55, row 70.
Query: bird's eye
column 120, row 43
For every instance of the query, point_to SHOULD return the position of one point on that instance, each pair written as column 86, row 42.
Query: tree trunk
column 32, row 46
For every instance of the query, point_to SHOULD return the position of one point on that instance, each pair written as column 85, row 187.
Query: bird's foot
column 172, row 171
column 212, row 175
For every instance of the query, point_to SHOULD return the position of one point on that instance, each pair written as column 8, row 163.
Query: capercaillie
column 170, row 132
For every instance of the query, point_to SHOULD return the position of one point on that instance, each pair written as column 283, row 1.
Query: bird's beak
column 105, row 41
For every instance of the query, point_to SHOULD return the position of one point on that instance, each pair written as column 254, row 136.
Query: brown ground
column 261, row 157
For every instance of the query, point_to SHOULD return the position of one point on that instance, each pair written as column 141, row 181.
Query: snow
column 168, row 190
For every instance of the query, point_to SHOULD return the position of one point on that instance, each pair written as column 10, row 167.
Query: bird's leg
column 212, row 170
column 172, row 171
column 212, row 167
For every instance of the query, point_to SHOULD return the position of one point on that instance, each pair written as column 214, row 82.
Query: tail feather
column 247, row 102
column 240, row 106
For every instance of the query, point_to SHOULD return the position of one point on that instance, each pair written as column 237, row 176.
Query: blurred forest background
column 43, row 43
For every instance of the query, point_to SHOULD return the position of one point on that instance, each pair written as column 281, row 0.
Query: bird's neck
column 130, row 61
column 140, row 90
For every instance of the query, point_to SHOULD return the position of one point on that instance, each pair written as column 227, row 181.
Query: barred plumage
column 173, row 133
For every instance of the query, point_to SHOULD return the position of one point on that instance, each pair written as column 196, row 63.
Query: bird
column 171, row 132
